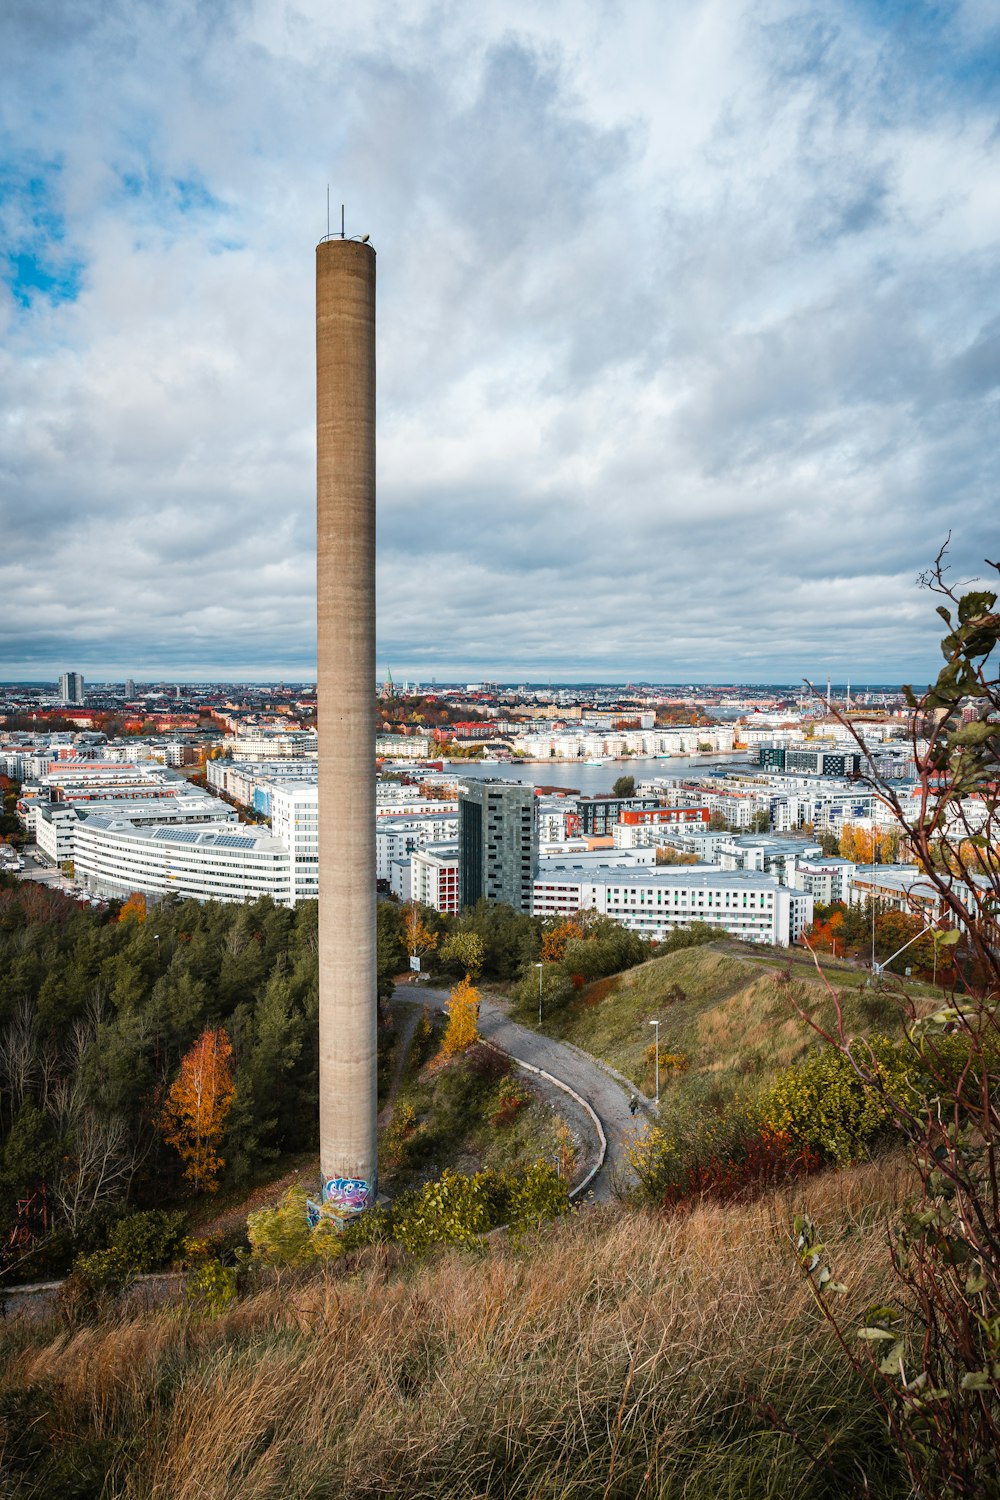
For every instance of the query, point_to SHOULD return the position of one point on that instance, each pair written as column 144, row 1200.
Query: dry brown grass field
column 619, row 1354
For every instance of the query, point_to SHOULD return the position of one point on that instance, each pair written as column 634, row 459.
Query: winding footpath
column 578, row 1071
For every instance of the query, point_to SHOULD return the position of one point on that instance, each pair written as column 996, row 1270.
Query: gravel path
column 605, row 1095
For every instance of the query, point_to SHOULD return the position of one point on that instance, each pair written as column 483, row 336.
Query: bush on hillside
column 720, row 1153
column 455, row 1209
column 819, row 1112
column 824, row 1105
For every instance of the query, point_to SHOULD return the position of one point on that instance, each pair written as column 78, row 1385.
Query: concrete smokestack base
column 345, row 554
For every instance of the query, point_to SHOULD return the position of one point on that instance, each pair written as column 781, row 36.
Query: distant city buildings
column 105, row 797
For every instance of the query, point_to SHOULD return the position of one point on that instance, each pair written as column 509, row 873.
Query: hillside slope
column 621, row 1354
column 729, row 1016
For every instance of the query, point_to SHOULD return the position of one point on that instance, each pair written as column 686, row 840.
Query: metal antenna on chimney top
column 361, row 239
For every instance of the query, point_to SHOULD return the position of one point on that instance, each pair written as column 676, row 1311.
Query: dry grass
column 738, row 1015
column 622, row 1355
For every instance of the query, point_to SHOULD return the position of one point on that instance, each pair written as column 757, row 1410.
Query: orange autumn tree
column 554, row 942
column 196, row 1107
column 463, row 1017
column 826, row 934
column 134, row 908
column 869, row 845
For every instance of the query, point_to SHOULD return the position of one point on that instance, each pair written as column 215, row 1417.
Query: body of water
column 591, row 780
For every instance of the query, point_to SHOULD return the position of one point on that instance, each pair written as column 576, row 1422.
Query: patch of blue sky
column 28, row 192
column 167, row 195
column 35, row 262
column 926, row 56
column 30, row 275
column 932, row 43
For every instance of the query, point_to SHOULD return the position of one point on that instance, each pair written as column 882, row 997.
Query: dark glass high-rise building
column 497, row 843
column 71, row 687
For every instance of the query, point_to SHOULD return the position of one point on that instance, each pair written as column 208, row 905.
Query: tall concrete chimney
column 345, row 681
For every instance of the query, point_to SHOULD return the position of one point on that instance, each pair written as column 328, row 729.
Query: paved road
column 606, row 1097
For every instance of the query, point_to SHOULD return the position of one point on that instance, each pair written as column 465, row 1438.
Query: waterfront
column 577, row 776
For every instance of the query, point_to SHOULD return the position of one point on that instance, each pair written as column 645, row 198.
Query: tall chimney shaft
column 345, row 554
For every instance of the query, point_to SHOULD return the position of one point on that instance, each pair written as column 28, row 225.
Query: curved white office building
column 113, row 857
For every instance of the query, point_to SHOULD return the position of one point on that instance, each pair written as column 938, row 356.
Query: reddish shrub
column 763, row 1162
column 511, row 1100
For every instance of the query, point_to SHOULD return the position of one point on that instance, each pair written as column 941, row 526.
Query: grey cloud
column 636, row 416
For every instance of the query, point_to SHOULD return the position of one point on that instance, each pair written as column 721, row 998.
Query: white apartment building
column 434, row 876
column 652, row 835
column 54, row 829
column 583, row 742
column 403, row 746
column 703, row 843
column 276, row 744
column 825, row 878
column 241, row 780
column 413, row 805
column 114, row 858
column 763, row 853
column 896, row 888
column 396, row 838
column 295, row 821
column 656, row 902
column 55, row 824
column 551, row 815
column 400, row 877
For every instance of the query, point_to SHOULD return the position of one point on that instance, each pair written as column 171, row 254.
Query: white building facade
column 295, row 821
column 656, row 902
column 114, row 858
column 434, row 877
column 397, row 838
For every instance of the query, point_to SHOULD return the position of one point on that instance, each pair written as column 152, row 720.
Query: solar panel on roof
column 228, row 841
column 180, row 835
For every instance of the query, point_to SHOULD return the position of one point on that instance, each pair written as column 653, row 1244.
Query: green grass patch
column 726, row 1015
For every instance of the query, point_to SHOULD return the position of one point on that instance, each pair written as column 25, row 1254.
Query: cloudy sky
column 689, row 330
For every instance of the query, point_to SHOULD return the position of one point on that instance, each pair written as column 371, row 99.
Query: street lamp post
column 656, row 1024
column 539, row 968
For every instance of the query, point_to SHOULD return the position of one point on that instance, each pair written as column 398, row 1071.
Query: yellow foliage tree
column 466, row 949
column 134, row 909
column 463, row 1018
column 196, row 1107
column 419, row 939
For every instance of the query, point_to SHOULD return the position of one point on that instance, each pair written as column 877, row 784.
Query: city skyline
column 688, row 351
column 165, row 686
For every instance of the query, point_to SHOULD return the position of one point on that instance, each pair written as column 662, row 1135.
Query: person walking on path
column 633, row 1105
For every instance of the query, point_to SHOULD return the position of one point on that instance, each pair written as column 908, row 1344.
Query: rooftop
column 219, row 836
column 701, row 877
